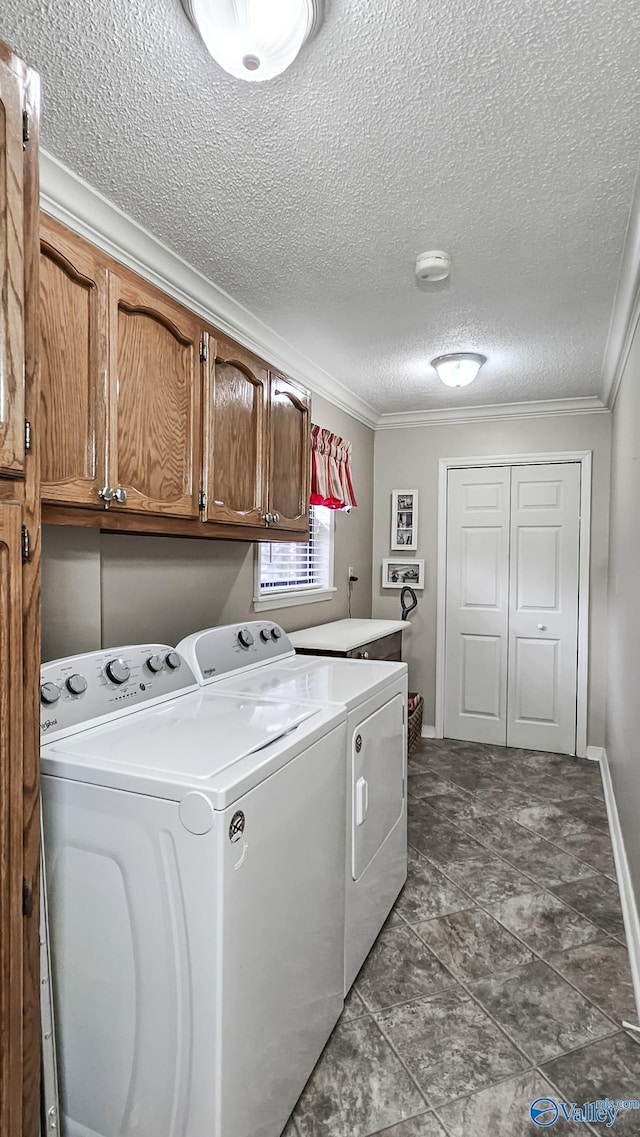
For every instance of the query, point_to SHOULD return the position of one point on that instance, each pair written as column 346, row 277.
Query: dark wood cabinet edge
column 391, row 646
column 27, row 491
column 110, row 522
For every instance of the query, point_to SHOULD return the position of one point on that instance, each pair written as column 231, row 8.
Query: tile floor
column 501, row 975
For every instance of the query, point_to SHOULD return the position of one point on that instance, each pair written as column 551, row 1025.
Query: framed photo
column 397, row 573
column 404, row 519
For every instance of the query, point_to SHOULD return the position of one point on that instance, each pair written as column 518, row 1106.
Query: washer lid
column 221, row 744
column 346, row 682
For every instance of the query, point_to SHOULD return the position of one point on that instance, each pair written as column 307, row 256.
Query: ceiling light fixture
column 459, row 369
column 254, row 39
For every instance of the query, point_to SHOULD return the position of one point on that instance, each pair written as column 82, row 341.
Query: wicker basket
column 414, row 724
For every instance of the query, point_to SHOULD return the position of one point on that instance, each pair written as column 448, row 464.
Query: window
column 288, row 572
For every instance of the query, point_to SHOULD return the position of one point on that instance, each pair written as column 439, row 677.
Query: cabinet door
column 73, row 351
column 289, row 454
column 235, row 435
column 154, row 377
column 11, row 919
column 11, row 276
column 387, row 648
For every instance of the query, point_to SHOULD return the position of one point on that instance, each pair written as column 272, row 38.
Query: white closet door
column 477, row 604
column 543, row 607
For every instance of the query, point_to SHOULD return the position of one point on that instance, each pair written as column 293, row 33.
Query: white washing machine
column 195, row 879
column 257, row 659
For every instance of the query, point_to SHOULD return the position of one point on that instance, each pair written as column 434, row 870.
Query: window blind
column 294, row 567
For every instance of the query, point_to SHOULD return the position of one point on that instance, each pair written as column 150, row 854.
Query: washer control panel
column 77, row 690
column 220, row 651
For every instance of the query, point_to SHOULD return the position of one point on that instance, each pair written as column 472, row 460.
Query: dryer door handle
column 362, row 800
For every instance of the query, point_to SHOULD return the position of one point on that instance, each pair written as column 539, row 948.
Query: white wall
column 623, row 708
column 105, row 589
column 408, row 457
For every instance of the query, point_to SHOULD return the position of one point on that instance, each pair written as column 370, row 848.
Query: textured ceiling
column 505, row 132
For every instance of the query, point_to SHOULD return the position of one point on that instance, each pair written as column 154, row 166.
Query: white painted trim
column 625, row 315
column 449, row 416
column 441, row 594
column 584, row 585
column 428, row 731
column 594, row 753
column 291, row 599
column 585, row 459
column 75, row 203
column 632, row 327
column 630, row 913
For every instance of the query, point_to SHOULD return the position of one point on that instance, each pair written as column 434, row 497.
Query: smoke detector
column 435, row 265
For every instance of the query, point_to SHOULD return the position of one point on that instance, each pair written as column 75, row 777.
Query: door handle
column 120, row 495
column 542, row 627
column 362, row 800
column 107, row 493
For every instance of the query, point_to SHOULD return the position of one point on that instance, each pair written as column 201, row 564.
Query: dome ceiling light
column 458, row 369
column 254, row 39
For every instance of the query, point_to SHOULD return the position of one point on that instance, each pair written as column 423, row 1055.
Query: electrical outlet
column 350, row 572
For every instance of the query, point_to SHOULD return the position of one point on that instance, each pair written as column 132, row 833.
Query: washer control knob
column 275, row 634
column 77, row 684
column 155, row 664
column 265, row 635
column 245, row 638
column 172, row 660
column 117, row 671
column 49, row 693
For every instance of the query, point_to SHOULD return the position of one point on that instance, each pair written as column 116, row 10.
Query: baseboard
column 630, row 912
column 428, row 731
column 595, row 753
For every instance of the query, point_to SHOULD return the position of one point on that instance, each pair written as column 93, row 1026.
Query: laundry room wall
column 623, row 660
column 408, row 458
column 105, row 589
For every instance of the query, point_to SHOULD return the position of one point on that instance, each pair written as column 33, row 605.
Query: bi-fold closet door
column 511, row 639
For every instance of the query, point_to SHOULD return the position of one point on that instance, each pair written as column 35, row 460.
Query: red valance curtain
column 331, row 483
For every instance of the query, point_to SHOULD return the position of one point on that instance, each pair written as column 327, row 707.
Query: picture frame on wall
column 397, row 573
column 404, row 519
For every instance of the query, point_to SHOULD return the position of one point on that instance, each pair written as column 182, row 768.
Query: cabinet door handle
column 268, row 518
column 364, row 655
column 542, row 627
column 121, row 495
column 107, row 493
column 276, row 517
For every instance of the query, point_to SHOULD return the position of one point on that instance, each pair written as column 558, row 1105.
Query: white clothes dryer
column 195, row 880
column 257, row 659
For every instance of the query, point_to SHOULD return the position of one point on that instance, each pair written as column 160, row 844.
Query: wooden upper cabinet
column 289, row 454
column 154, row 368
column 235, row 408
column 143, row 409
column 11, row 275
column 73, row 334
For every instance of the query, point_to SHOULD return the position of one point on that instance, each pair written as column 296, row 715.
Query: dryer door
column 377, row 770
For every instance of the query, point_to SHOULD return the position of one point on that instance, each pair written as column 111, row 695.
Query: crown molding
column 494, row 412
column 625, row 316
column 76, row 204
